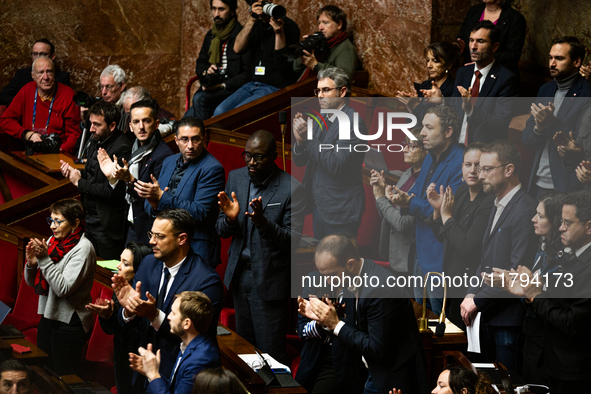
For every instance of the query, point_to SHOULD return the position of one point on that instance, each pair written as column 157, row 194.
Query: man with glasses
column 264, row 218
column 333, row 184
column 43, row 107
column 190, row 180
column 172, row 269
column 442, row 168
column 509, row 241
column 42, row 47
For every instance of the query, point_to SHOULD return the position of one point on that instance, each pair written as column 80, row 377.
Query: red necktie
column 476, row 87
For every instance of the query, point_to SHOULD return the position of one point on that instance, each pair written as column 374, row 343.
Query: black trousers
column 63, row 343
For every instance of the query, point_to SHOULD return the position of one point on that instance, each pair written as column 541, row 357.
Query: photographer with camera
column 333, row 49
column 221, row 71
column 266, row 31
column 29, row 115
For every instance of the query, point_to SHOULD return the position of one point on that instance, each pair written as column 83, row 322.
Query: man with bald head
column 261, row 210
column 43, row 107
column 41, row 47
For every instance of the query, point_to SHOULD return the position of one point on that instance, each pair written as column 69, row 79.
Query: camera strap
column 50, row 108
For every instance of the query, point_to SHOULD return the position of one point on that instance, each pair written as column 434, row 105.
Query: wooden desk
column 36, row 357
column 230, row 347
column 47, row 163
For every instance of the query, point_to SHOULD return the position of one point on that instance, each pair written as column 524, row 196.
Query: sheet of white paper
column 254, row 361
column 473, row 334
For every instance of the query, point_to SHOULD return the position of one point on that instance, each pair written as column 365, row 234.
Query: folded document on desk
column 254, row 361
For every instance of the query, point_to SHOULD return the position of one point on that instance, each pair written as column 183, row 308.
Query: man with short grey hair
column 331, row 174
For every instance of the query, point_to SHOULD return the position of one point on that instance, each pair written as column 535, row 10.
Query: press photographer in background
column 267, row 30
column 28, row 117
column 221, row 71
column 330, row 46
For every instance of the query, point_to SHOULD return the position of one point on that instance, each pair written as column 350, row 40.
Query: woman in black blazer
column 511, row 23
column 460, row 222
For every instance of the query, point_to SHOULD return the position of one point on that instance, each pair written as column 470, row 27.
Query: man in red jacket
column 43, row 107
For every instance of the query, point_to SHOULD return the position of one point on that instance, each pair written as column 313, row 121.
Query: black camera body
column 49, row 144
column 82, row 99
column 314, row 42
column 209, row 80
column 273, row 10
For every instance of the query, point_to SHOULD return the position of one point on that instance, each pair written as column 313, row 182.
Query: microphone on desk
column 283, row 123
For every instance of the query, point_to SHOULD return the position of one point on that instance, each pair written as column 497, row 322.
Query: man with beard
column 553, row 113
column 509, row 241
column 147, row 154
column 104, row 203
column 264, row 218
column 173, row 268
column 217, row 56
column 189, row 318
column 190, row 180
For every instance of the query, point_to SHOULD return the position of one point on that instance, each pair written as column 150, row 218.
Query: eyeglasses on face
column 247, row 156
column 410, row 145
column 486, row 170
column 568, row 223
column 57, row 223
column 324, row 90
column 157, row 236
column 108, row 88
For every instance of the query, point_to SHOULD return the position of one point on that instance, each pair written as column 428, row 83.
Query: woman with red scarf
column 62, row 273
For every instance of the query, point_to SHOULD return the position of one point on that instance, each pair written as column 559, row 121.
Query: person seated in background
column 15, row 378
column 139, row 93
column 332, row 22
column 147, row 154
column 510, row 22
column 62, row 273
column 189, row 317
column 125, row 339
column 442, row 58
column 41, row 47
column 262, row 35
column 558, row 108
column 217, row 57
column 218, row 381
column 28, row 117
column 456, row 379
column 397, row 229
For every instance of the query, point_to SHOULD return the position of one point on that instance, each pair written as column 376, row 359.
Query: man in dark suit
column 172, row 268
column 217, row 56
column 483, row 89
column 509, row 241
column 189, row 318
column 147, row 154
column 333, row 184
column 442, row 168
column 565, row 303
column 259, row 256
column 384, row 329
column 190, row 180
column 42, row 47
column 559, row 107
column 104, row 203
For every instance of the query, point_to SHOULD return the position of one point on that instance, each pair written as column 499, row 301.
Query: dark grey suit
column 261, row 292
column 333, row 177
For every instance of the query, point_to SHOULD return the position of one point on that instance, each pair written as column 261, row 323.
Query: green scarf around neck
column 219, row 35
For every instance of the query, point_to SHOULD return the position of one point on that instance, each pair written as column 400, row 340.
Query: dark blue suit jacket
column 350, row 372
column 142, row 222
column 387, row 336
column 271, row 245
column 511, row 243
column 194, row 275
column 492, row 111
column 573, row 106
column 197, row 192
column 448, row 173
column 334, row 177
column 201, row 353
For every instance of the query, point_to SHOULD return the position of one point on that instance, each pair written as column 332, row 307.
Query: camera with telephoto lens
column 82, row 99
column 315, row 42
column 209, row 80
column 273, row 10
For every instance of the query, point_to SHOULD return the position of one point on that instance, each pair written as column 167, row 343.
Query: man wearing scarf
column 147, row 154
column 217, row 54
column 332, row 22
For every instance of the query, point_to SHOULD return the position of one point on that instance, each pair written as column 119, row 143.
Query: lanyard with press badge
column 50, row 109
